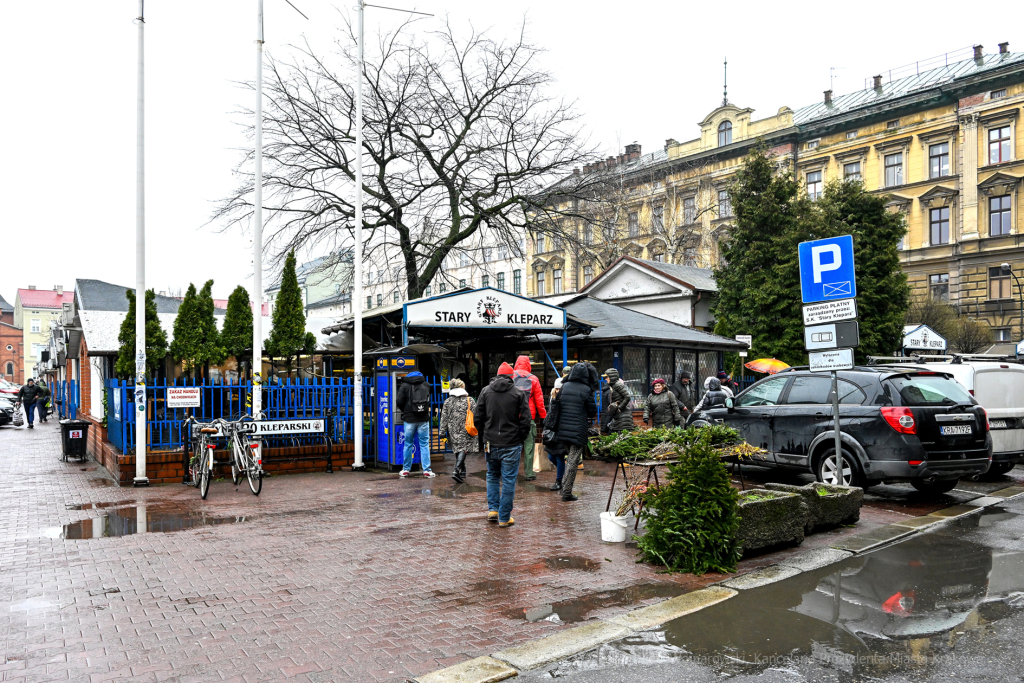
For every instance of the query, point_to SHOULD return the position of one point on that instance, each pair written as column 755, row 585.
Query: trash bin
column 73, row 436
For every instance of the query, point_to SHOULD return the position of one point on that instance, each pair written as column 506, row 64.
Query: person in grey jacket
column 714, row 397
column 661, row 407
column 453, row 426
column 618, row 406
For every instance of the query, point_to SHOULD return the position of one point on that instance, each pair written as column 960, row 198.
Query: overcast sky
column 641, row 71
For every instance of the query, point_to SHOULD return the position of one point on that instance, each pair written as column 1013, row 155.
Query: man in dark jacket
column 571, row 422
column 28, row 395
column 414, row 402
column 502, row 415
column 683, row 390
column 621, row 414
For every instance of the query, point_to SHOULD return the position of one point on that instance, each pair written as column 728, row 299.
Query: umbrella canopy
column 769, row 365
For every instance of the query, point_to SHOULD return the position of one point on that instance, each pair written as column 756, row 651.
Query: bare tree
column 970, row 336
column 461, row 136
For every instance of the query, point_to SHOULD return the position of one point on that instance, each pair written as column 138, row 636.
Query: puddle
column 456, row 491
column 31, row 605
column 579, row 609
column 94, row 506
column 572, row 562
column 101, row 481
column 93, row 469
column 598, row 473
column 126, row 521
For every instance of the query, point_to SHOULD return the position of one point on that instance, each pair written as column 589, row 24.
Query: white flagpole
column 140, row 263
column 357, row 265
column 257, row 230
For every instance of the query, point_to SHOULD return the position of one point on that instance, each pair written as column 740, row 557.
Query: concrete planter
column 770, row 518
column 827, row 505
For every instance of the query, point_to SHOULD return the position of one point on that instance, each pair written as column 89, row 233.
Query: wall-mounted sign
column 275, row 427
column 183, row 397
column 486, row 308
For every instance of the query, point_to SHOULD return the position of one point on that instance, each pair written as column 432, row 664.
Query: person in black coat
column 570, row 422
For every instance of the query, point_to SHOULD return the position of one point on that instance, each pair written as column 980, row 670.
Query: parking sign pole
column 835, row 420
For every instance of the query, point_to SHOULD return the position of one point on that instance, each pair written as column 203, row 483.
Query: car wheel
column 940, row 486
column 997, row 470
column 840, row 471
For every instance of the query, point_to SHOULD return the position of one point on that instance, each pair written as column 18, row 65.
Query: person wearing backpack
column 570, row 418
column 414, row 402
column 502, row 415
column 528, row 382
column 458, row 425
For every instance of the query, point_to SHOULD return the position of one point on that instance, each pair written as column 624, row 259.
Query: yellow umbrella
column 769, row 365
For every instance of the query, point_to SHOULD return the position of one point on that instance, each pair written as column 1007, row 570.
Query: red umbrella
column 768, row 365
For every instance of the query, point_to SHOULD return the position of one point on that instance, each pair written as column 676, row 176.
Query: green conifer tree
column 156, row 339
column 236, row 337
column 187, row 333
column 211, row 350
column 288, row 336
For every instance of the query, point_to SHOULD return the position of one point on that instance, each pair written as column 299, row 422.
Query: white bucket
column 613, row 529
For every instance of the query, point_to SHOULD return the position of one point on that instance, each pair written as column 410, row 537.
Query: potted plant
column 770, row 518
column 827, row 505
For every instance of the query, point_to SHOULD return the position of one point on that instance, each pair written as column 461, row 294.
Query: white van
column 999, row 388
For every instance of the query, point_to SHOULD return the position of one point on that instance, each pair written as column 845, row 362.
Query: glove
column 647, row 421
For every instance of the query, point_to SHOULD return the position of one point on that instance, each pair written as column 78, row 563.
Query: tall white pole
column 357, row 264
column 140, row 265
column 257, row 229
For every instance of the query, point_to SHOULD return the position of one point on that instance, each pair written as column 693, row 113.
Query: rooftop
column 44, row 298
column 4, row 306
column 96, row 295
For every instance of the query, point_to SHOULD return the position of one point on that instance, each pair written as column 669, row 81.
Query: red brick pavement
column 345, row 576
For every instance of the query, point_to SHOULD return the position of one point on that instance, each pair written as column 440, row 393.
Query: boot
column 459, row 475
column 557, row 486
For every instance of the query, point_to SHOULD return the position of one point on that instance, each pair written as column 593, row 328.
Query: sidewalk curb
column 509, row 662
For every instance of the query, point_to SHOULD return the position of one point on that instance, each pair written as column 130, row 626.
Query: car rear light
column 915, row 463
column 984, row 416
column 900, row 418
column 971, row 392
column 901, row 604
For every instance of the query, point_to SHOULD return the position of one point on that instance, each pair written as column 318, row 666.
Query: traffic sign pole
column 835, row 421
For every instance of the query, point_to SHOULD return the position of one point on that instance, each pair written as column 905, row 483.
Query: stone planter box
column 770, row 518
column 827, row 505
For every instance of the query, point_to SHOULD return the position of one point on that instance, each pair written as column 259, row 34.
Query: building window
column 380, row 300
column 660, row 258
column 999, row 284
column 462, row 283
column 588, row 274
column 556, row 280
column 1001, row 334
column 893, row 169
column 724, row 133
column 369, row 302
column 10, row 369
column 690, row 256
column 814, row 185
column 689, row 211
column 813, row 144
column 938, row 286
column 851, row 171
column 485, row 281
column 634, row 224
column 463, row 259
column 658, row 217
column 540, row 283
column 397, row 296
column 998, row 93
column 36, row 326
column 517, row 282
column 426, row 292
column 938, row 160
column 851, row 135
column 502, row 252
column 999, row 215
column 892, row 124
column 488, row 252
column 540, row 244
column 938, row 220
column 724, row 205
column 37, row 350
column 442, row 288
column 588, row 234
column 999, row 145
column 501, row 281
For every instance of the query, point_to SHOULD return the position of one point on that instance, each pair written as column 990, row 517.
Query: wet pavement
column 345, row 576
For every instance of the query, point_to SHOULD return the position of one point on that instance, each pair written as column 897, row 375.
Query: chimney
column 1004, row 48
column 31, row 286
column 162, row 292
column 979, row 55
column 878, row 83
column 633, row 149
column 669, row 143
column 610, row 162
column 828, row 98
column 576, row 171
column 59, row 289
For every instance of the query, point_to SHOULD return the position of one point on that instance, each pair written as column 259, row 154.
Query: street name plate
column 297, row 426
column 830, row 311
column 832, row 336
column 827, row 361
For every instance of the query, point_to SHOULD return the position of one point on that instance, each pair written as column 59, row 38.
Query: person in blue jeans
column 414, row 401
column 502, row 415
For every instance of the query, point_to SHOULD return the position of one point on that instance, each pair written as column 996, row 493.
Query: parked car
column 897, row 425
column 9, row 389
column 7, row 408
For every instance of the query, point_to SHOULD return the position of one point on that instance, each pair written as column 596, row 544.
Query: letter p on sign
column 816, row 264
column 827, row 270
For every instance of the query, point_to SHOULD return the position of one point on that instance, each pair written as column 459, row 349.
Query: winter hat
column 723, row 375
column 565, row 370
column 457, row 384
column 505, row 369
column 658, row 380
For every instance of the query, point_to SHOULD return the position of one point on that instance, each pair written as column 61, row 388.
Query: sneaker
column 404, row 473
column 509, row 523
column 428, row 474
column 492, row 517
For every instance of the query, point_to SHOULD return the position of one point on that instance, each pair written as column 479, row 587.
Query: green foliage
column 236, row 337
column 196, row 340
column 288, row 336
column 759, row 288
column 637, row 444
column 156, row 339
column 693, row 520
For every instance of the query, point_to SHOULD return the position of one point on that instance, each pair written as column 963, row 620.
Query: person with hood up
column 683, row 390
column 28, row 395
column 453, row 425
column 661, row 407
column 502, row 415
column 570, row 421
column 728, row 384
column 528, row 382
column 414, row 401
column 714, row 395
column 621, row 417
column 43, row 400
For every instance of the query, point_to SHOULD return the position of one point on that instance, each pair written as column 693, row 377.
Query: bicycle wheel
column 204, row 472
column 198, row 446
column 237, row 464
column 254, row 471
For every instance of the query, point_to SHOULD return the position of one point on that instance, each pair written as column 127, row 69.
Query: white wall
column 674, row 310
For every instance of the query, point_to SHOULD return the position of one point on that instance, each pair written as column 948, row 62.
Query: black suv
column 896, row 425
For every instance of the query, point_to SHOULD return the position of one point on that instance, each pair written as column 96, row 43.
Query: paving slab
column 673, row 608
column 816, row 559
column 564, row 644
column 761, row 577
column 479, row 670
column 873, row 538
column 985, row 501
column 955, row 511
column 1008, row 492
column 918, row 522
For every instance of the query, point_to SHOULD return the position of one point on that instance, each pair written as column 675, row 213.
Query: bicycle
column 200, row 465
column 246, row 455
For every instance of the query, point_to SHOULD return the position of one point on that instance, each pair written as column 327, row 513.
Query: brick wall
column 85, row 367
column 15, row 338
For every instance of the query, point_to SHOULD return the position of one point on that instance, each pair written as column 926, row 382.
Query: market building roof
column 96, row 295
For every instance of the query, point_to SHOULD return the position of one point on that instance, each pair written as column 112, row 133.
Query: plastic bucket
column 613, row 529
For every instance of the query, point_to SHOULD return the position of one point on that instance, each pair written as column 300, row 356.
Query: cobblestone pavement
column 345, row 576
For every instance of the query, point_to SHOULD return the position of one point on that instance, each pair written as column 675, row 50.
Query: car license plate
column 955, row 429
column 998, row 424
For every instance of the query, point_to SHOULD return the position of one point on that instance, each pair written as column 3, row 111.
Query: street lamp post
column 1020, row 297
column 257, row 229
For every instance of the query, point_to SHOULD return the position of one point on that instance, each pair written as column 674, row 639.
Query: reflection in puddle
column 134, row 520
column 578, row 609
column 93, row 506
column 456, row 491
column 572, row 562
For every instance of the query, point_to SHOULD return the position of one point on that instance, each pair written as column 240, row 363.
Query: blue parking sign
column 826, row 269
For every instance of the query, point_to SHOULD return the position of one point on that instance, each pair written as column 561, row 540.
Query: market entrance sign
column 276, row 427
column 484, row 308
